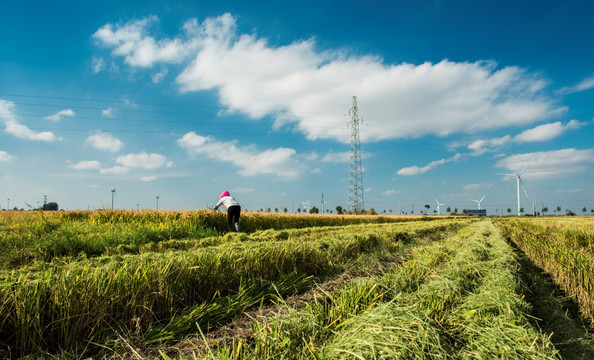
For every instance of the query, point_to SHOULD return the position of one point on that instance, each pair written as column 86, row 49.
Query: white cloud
column 5, row 157
column 482, row 146
column 98, row 64
column 142, row 160
column 115, row 170
column 86, row 165
column 550, row 164
column 316, row 171
column 281, row 162
column 547, row 132
column 131, row 41
column 148, row 178
column 586, row 84
column 108, row 112
column 241, row 190
column 104, row 141
column 543, row 132
column 300, row 85
column 13, row 127
column 60, row 115
column 341, row 157
column 416, row 170
column 390, row 192
column 473, row 187
column 158, row 77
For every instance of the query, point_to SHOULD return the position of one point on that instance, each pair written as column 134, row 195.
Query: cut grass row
column 26, row 237
column 64, row 305
column 563, row 250
column 455, row 299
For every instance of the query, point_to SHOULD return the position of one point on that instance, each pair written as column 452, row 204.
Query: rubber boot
column 237, row 226
column 230, row 226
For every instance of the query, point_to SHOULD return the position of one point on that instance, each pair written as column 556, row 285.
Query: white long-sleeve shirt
column 227, row 201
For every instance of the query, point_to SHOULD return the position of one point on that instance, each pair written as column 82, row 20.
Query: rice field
column 176, row 285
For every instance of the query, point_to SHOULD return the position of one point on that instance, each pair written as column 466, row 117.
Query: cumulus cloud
column 416, row 170
column 390, row 192
column 482, row 146
column 13, row 127
column 281, row 162
column 547, row 132
column 86, row 165
column 131, row 40
column 60, row 115
column 143, row 161
column 104, row 141
column 550, row 164
column 539, row 133
column 5, row 157
column 148, row 178
column 308, row 89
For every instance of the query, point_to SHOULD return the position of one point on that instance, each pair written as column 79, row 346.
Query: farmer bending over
column 233, row 209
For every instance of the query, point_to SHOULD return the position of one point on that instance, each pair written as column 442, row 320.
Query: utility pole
column 355, row 170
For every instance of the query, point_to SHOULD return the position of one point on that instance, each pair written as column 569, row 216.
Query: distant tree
column 275, row 209
column 449, row 210
column 584, row 210
column 545, row 210
column 314, row 210
column 521, row 210
column 509, row 210
column 339, row 210
column 558, row 209
column 390, row 210
column 285, row 210
column 372, row 212
column 51, row 206
column 592, row 211
column 427, row 206
column 455, row 210
column 299, row 210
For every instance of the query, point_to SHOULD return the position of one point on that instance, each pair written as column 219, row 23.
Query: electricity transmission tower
column 355, row 170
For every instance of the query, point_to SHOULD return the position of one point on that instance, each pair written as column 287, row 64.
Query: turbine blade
column 523, row 188
column 483, row 198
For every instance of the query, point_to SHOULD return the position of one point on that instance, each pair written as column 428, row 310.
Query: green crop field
column 175, row 285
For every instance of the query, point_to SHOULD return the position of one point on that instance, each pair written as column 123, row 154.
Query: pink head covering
column 224, row 193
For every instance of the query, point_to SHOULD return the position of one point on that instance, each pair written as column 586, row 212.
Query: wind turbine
column 479, row 201
column 438, row 204
column 113, row 191
column 519, row 181
column 305, row 206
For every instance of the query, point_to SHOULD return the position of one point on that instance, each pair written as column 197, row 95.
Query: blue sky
column 185, row 99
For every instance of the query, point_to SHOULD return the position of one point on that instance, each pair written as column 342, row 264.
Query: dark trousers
column 233, row 213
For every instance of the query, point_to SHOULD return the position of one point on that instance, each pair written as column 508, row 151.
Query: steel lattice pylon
column 355, row 169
